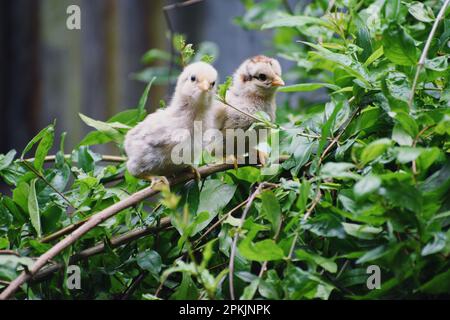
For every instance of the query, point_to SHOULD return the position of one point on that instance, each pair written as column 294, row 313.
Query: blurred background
column 48, row 72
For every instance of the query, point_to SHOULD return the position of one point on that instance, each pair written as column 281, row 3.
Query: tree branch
column 236, row 236
column 105, row 158
column 423, row 57
column 99, row 248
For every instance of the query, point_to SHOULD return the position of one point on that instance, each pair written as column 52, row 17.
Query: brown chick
column 149, row 145
column 253, row 89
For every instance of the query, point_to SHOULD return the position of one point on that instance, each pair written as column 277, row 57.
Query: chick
column 149, row 145
column 253, row 90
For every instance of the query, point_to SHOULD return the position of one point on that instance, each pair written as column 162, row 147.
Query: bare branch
column 424, row 54
column 100, row 248
column 236, row 236
column 105, row 158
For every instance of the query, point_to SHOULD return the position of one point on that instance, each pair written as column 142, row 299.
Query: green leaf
column 223, row 88
column 106, row 128
column 401, row 136
column 33, row 209
column 214, row 197
column 37, row 138
column 407, row 154
column 438, row 285
column 296, row 21
column 398, row 88
column 435, row 246
column 43, row 148
column 363, row 37
column 366, row 186
column 268, row 290
column 128, row 117
column 326, row 225
column 143, row 101
column 20, row 195
column 186, row 290
column 399, row 47
column 438, row 64
column 327, row 128
column 375, row 149
column 361, row 231
column 427, row 158
column 94, row 138
column 149, row 260
column 305, row 188
column 9, row 265
column 302, row 87
column 265, row 250
column 154, row 55
column 352, row 67
column 374, row 56
column 325, row 263
column 4, row 243
column 85, row 159
column 250, row 290
column 339, row 170
column 407, row 123
column 207, row 52
column 6, row 160
column 271, row 209
column 392, row 10
column 421, row 12
column 373, row 254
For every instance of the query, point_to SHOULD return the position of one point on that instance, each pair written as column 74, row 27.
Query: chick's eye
column 262, row 77
column 213, row 84
column 193, row 78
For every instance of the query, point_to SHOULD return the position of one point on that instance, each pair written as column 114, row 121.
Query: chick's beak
column 277, row 82
column 204, row 85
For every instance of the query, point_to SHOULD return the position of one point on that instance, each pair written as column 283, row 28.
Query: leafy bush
column 366, row 180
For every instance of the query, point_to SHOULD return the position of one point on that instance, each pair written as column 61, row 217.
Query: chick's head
column 259, row 74
column 198, row 80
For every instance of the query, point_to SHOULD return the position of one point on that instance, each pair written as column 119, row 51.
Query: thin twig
column 181, row 4
column 424, row 54
column 305, row 217
column 236, row 236
column 215, row 225
column 11, row 252
column 322, row 157
column 134, row 285
column 336, row 139
column 313, row 204
column 307, row 135
column 40, row 176
column 100, row 248
column 62, row 232
column 239, row 110
column 105, row 158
